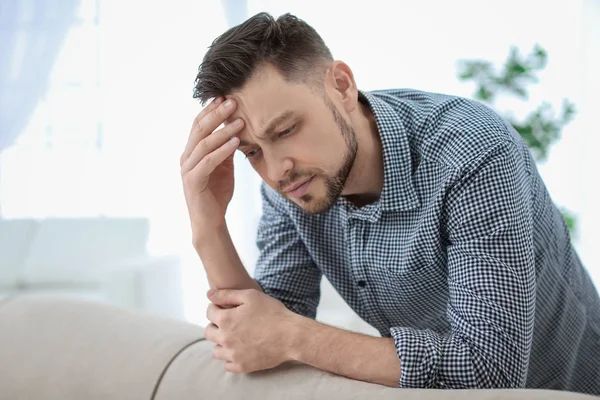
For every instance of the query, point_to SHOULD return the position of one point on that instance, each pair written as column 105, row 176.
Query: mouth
column 300, row 189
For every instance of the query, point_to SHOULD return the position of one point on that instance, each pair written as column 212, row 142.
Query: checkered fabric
column 464, row 260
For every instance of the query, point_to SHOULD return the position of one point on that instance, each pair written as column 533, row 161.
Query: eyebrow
column 273, row 124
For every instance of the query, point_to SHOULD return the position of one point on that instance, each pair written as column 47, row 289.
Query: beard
column 334, row 184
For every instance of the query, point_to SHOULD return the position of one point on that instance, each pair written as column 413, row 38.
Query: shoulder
column 446, row 129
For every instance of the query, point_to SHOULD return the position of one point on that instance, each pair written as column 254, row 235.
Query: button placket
column 358, row 256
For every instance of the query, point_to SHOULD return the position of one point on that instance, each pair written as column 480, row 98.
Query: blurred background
column 96, row 106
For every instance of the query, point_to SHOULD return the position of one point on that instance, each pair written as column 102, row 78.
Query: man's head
column 295, row 101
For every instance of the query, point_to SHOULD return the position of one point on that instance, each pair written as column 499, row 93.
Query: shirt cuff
column 419, row 353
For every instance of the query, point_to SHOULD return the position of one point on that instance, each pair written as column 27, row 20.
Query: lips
column 292, row 188
column 300, row 189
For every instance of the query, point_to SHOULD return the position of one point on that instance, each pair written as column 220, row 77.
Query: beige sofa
column 59, row 348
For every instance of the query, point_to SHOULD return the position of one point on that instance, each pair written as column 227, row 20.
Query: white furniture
column 102, row 259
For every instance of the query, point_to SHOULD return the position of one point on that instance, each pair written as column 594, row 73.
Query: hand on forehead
column 259, row 122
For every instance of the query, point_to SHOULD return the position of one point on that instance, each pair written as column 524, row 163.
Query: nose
column 277, row 167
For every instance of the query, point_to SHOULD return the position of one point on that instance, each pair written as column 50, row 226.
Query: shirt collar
column 398, row 193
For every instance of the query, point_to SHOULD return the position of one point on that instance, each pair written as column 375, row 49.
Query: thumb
column 225, row 297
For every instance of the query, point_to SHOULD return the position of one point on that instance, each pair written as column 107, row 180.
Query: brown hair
column 289, row 44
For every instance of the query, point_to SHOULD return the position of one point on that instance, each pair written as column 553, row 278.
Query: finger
column 214, row 314
column 229, row 297
column 211, row 143
column 232, row 367
column 211, row 333
column 213, row 104
column 214, row 159
column 206, row 125
column 191, row 139
column 221, row 353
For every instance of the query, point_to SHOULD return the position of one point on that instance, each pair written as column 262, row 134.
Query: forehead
column 266, row 95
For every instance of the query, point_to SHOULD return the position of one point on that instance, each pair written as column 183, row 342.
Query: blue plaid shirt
column 464, row 260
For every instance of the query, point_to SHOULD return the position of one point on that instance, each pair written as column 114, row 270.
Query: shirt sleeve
column 491, row 279
column 284, row 268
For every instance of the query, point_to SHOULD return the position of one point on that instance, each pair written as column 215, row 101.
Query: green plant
column 540, row 129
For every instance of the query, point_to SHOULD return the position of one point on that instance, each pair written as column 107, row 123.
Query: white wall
column 146, row 70
column 585, row 178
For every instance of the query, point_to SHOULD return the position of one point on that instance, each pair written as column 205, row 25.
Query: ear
column 343, row 84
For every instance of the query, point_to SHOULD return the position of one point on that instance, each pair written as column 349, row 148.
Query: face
column 296, row 139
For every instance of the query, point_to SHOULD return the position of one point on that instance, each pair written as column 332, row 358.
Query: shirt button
column 362, row 283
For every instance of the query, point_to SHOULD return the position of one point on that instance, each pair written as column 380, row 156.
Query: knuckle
column 215, row 114
column 187, row 180
column 201, row 125
column 219, row 112
column 203, row 146
column 225, row 320
column 200, row 116
column 207, row 160
column 226, row 341
column 197, row 120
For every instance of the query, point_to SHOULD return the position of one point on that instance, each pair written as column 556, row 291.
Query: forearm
column 222, row 264
column 353, row 355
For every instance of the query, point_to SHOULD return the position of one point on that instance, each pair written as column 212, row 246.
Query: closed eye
column 286, row 132
column 255, row 152
column 252, row 153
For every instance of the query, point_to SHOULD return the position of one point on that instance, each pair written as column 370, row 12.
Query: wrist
column 206, row 235
column 298, row 335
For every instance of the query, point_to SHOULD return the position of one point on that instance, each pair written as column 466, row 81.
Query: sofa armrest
column 60, row 348
column 194, row 375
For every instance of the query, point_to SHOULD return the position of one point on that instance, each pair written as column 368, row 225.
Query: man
column 425, row 211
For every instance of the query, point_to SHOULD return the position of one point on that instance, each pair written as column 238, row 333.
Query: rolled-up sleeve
column 284, row 268
column 488, row 221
